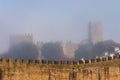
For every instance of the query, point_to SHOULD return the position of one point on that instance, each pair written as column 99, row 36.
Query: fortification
column 94, row 69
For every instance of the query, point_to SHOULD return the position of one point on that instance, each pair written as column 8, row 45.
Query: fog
column 52, row 20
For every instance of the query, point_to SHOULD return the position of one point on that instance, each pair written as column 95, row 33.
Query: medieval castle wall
column 94, row 69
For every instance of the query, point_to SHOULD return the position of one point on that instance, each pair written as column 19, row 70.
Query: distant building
column 17, row 39
column 40, row 45
column 95, row 33
column 69, row 49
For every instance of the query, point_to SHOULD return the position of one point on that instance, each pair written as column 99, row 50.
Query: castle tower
column 40, row 45
column 69, row 49
column 17, row 39
column 95, row 34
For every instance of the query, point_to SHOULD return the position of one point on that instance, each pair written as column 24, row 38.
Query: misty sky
column 57, row 20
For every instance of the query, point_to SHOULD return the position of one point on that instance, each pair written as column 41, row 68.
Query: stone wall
column 94, row 69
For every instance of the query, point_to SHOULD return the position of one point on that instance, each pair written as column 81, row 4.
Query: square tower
column 95, row 34
column 18, row 39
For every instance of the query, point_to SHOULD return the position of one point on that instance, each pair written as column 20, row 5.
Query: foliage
column 23, row 51
column 52, row 51
column 88, row 50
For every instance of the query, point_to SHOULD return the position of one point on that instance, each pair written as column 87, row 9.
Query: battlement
column 50, row 62
column 92, row 69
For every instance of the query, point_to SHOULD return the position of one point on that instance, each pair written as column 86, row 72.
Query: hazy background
column 57, row 20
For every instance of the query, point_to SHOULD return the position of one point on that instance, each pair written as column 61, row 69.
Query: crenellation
column 92, row 60
column 3, row 60
column 104, row 59
column 43, row 62
column 56, row 62
column 30, row 61
column 75, row 62
column 86, row 61
column 62, row 62
column 93, row 69
column 81, row 62
column 50, row 62
column 24, row 61
column 98, row 60
column 17, row 62
column 119, row 56
column 116, row 57
column 10, row 62
column 69, row 62
column 109, row 58
column 37, row 61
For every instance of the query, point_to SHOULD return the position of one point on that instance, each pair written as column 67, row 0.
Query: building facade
column 40, row 45
column 69, row 49
column 98, row 69
column 95, row 33
column 17, row 39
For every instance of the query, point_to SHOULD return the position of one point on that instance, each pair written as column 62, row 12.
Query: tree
column 23, row 51
column 84, row 51
column 91, row 51
column 52, row 51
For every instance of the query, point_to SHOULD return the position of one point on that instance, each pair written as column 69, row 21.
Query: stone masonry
column 94, row 69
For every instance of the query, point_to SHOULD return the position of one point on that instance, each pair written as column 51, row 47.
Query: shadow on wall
column 0, row 74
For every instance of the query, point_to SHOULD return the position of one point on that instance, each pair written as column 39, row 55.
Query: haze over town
column 51, row 20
